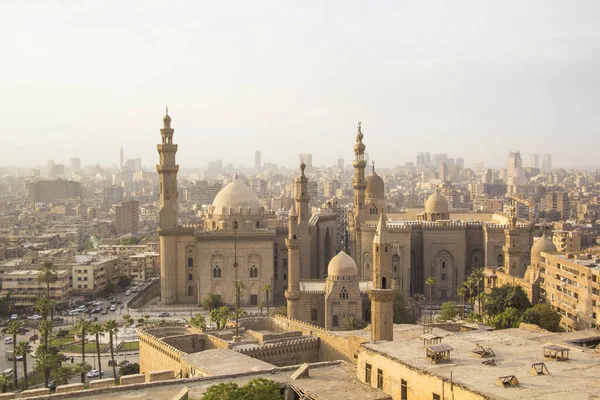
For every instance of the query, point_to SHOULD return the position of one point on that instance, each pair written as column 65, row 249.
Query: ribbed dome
column 436, row 204
column 342, row 265
column 375, row 186
column 543, row 244
column 236, row 195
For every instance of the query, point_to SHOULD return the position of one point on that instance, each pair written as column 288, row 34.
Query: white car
column 94, row 373
column 127, row 293
column 35, row 317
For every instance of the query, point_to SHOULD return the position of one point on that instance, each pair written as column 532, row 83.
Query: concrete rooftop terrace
column 330, row 381
column 516, row 349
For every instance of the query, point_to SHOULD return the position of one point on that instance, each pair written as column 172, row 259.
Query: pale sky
column 475, row 79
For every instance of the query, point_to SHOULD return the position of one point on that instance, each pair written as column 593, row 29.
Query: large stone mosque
column 389, row 252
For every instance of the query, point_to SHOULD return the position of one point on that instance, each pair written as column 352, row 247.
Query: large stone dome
column 543, row 244
column 342, row 266
column 436, row 204
column 375, row 186
column 234, row 196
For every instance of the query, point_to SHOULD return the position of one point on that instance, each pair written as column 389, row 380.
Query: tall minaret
column 167, row 173
column 381, row 293
column 292, row 293
column 167, row 226
column 512, row 251
column 302, row 197
column 359, row 163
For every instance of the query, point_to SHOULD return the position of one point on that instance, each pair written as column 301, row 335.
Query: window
column 403, row 390
column 253, row 272
column 190, row 277
column 190, row 291
column 190, row 262
column 368, row 373
column 379, row 379
column 336, row 321
column 343, row 293
column 436, row 397
column 257, row 224
column 216, row 272
column 313, row 315
column 253, row 299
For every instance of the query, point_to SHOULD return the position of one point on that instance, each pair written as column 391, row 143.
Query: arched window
column 500, row 260
column 442, row 266
column 383, row 283
column 216, row 262
column 216, row 272
column 313, row 315
column 336, row 321
column 254, row 262
column 343, row 293
column 395, row 265
column 253, row 272
column 190, row 277
column 190, row 258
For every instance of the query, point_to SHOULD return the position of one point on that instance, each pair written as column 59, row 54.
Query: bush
column 509, row 318
column 449, row 311
column 129, row 369
column 62, row 333
column 279, row 311
column 401, row 313
column 544, row 316
column 504, row 297
column 211, row 301
column 256, row 389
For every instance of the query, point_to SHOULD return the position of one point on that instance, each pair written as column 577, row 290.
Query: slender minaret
column 359, row 164
column 168, row 215
column 167, row 173
column 381, row 293
column 302, row 197
column 292, row 293
column 512, row 251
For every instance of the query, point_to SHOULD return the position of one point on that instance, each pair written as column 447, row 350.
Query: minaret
column 359, row 164
column 167, row 226
column 292, row 293
column 122, row 158
column 167, row 173
column 381, row 293
column 512, row 251
column 302, row 197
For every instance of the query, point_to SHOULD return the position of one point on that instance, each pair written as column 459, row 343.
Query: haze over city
column 471, row 79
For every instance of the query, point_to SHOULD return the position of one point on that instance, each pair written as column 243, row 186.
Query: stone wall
column 145, row 295
column 188, row 343
column 294, row 352
column 156, row 355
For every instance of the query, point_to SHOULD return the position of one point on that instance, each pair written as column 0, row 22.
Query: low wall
column 145, row 295
column 7, row 396
column 102, row 383
column 292, row 352
column 188, row 343
column 156, row 376
column 72, row 387
column 182, row 394
column 265, row 337
column 34, row 393
column 156, row 355
column 133, row 379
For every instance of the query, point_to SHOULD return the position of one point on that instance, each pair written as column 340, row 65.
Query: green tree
column 401, row 313
column 198, row 321
column 129, row 369
column 478, row 276
column 211, row 301
column 354, row 323
column 48, row 274
column 61, row 375
column 431, row 281
column 504, row 297
column 110, row 326
column 509, row 318
column 97, row 330
column 23, row 349
column 126, row 317
column 45, row 329
column 544, row 316
column 220, row 316
column 124, row 281
column 83, row 327
column 267, row 290
column 470, row 286
column 449, row 311
column 110, row 288
column 14, row 328
column 256, row 389
column 45, row 361
column 462, row 293
column 5, row 383
column 415, row 305
column 82, row 368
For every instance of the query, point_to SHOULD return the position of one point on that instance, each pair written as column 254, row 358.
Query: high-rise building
column 128, row 217
column 514, row 168
column 134, row 164
column 547, row 163
column 257, row 160
column 306, row 158
column 443, row 172
column 50, row 169
column 75, row 164
column 52, row 190
column 122, row 160
column 420, row 160
column 479, row 166
column 535, row 161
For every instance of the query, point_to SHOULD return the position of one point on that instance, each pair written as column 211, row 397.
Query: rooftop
column 224, row 361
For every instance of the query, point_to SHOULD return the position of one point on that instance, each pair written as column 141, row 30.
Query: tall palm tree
column 45, row 328
column 431, row 281
column 45, row 361
column 478, row 275
column 267, row 289
column 14, row 328
column 110, row 326
column 415, row 304
column 470, row 286
column 83, row 326
column 97, row 330
column 4, row 382
column 462, row 292
column 48, row 275
column 82, row 368
column 24, row 348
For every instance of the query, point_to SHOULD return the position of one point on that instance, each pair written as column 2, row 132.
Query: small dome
column 342, row 265
column 436, row 204
column 236, row 195
column 375, row 186
column 543, row 244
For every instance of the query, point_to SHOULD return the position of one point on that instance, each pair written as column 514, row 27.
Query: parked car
column 14, row 317
column 127, row 292
column 94, row 373
column 33, row 337
column 113, row 307
column 163, row 315
column 8, row 340
column 35, row 317
column 104, row 312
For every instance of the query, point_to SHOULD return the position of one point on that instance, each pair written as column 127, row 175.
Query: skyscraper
column 547, row 163
column 514, row 168
column 306, row 158
column 257, row 160
column 127, row 217
column 535, row 161
column 75, row 164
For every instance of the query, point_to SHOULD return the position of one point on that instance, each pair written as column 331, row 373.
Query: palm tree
column 61, row 375
column 82, row 368
column 83, row 327
column 4, row 382
column 45, row 362
column 48, row 275
column 267, row 289
column 478, row 275
column 470, row 286
column 45, row 328
column 24, row 348
column 14, row 328
column 431, row 281
column 97, row 330
column 415, row 304
column 110, row 326
column 462, row 292
column 42, row 305
column 353, row 323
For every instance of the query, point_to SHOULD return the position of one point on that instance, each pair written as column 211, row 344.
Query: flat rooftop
column 515, row 349
column 224, row 361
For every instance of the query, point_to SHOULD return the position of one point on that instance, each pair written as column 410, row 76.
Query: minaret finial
column 359, row 123
column 166, row 110
column 373, row 165
column 302, row 167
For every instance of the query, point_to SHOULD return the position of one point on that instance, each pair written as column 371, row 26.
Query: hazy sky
column 476, row 80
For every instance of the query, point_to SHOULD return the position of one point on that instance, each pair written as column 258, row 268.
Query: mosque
column 240, row 240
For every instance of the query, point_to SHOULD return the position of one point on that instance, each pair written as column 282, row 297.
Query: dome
column 236, row 195
column 436, row 204
column 342, row 265
column 543, row 244
column 375, row 186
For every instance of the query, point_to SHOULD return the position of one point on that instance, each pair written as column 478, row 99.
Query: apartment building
column 128, row 217
column 90, row 278
column 23, row 287
column 567, row 241
column 143, row 266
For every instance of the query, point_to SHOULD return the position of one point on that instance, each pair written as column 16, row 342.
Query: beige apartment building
column 571, row 283
column 23, row 287
column 567, row 241
column 90, row 278
column 128, row 217
column 143, row 266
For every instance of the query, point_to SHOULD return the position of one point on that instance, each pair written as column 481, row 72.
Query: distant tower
column 381, row 294
column 302, row 227
column 122, row 158
column 257, row 161
column 292, row 293
column 359, row 163
column 512, row 252
column 302, row 197
column 168, row 215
